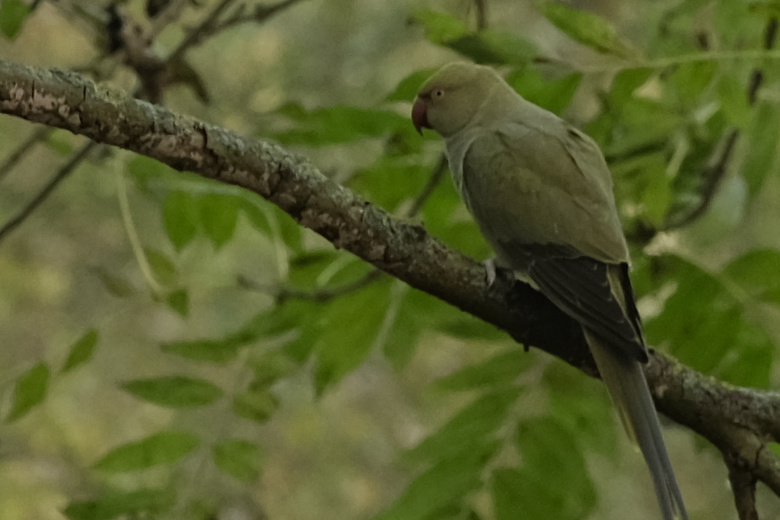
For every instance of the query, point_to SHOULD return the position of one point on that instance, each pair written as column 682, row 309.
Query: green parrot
column 541, row 193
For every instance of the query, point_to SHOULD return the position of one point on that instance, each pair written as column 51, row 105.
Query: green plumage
column 541, row 194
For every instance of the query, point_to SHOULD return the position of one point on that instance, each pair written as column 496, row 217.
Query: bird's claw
column 490, row 271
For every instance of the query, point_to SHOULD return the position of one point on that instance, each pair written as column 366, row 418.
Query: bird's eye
column 438, row 94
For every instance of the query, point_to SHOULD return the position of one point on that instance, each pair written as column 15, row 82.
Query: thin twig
column 260, row 14
column 59, row 176
column 14, row 157
column 433, row 181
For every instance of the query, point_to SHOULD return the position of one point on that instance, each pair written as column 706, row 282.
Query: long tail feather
column 626, row 384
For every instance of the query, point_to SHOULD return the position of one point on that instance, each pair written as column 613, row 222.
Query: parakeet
column 541, row 193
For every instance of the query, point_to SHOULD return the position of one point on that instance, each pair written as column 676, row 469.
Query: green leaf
column 238, row 458
column 581, row 404
column 115, row 284
column 439, row 27
column 255, row 405
column 757, row 273
column 471, row 429
column 339, row 124
column 587, row 28
column 212, row 351
column 550, row 455
column 391, row 181
column 81, row 351
column 734, row 100
column 174, row 391
column 180, row 218
column 553, row 95
column 504, row 367
column 152, row 502
column 179, row 301
column 407, row 88
column 763, row 136
column 352, row 323
column 493, row 47
column 12, row 16
column 160, row 448
column 163, row 267
column 218, row 217
column 469, row 327
column 30, row 390
column 705, row 323
column 443, row 485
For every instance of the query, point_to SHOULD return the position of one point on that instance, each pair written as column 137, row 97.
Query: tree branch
column 739, row 421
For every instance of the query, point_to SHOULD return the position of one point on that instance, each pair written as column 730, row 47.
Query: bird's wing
column 560, row 227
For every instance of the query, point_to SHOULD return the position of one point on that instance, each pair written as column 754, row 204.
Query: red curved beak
column 420, row 115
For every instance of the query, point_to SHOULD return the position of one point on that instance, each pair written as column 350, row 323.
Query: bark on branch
column 739, row 421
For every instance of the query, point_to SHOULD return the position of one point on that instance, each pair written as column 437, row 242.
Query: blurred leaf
column 688, row 82
column 466, row 326
column 391, row 180
column 174, row 391
column 553, row 95
column 439, row 27
column 160, row 448
column 705, row 325
column 581, row 404
column 352, row 324
column 763, row 134
column 145, row 171
column 339, row 124
column 238, row 458
column 492, row 47
column 407, row 88
column 255, row 405
column 499, row 370
column 734, row 100
column 218, row 216
column 30, row 390
column 586, row 28
column 272, row 222
column 179, row 301
column 471, row 429
column 444, row 484
column 116, row 504
column 163, row 267
column 115, row 284
column 81, row 351
column 269, row 368
column 758, row 274
column 59, row 140
column 415, row 313
column 551, row 455
column 180, row 218
column 12, row 15
column 209, row 350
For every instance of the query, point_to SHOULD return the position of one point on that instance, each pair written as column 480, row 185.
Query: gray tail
column 627, row 386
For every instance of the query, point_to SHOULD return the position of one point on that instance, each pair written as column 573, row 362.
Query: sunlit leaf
column 439, row 27
column 758, row 274
column 407, row 88
column 174, row 391
column 30, row 390
column 81, row 351
column 238, row 458
column 160, row 448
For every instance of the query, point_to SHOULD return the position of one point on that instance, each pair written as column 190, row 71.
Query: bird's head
column 449, row 100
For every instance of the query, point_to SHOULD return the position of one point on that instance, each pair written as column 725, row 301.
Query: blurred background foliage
column 177, row 348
